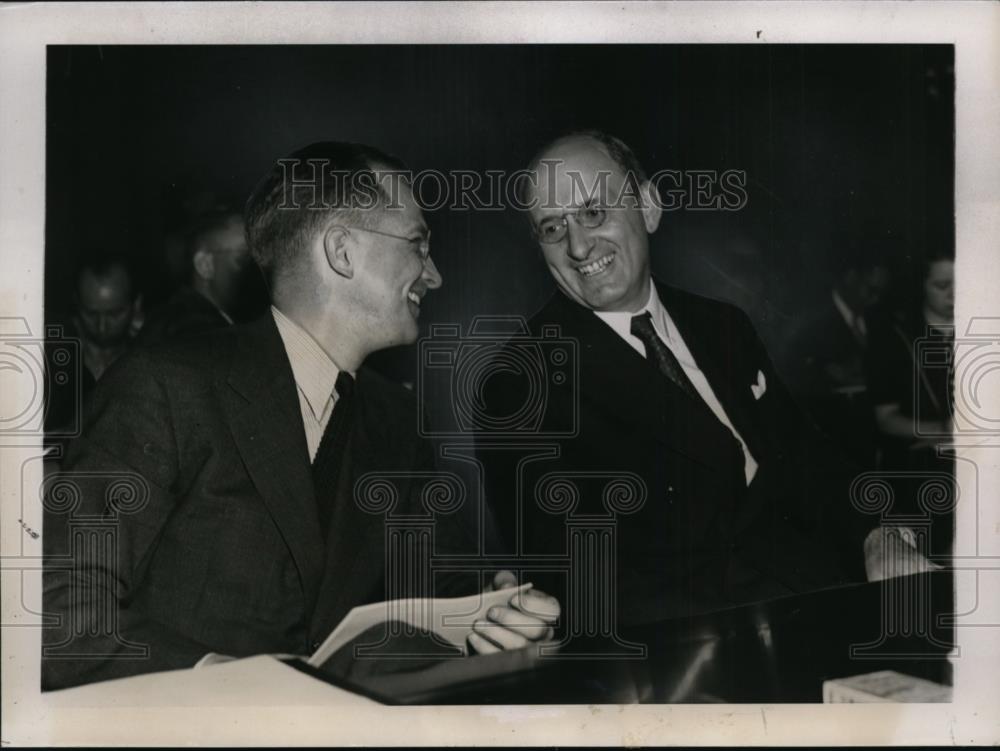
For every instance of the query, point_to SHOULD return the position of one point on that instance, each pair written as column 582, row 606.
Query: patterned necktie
column 330, row 454
column 659, row 353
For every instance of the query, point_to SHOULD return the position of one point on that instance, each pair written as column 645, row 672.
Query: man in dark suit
column 219, row 264
column 107, row 310
column 739, row 502
column 212, row 504
column 826, row 353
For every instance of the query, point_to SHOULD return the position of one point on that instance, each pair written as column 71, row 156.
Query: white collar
column 621, row 321
column 315, row 373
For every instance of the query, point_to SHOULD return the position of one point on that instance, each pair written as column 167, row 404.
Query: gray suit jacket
column 184, row 518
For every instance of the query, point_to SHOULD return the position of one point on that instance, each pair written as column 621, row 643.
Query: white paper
column 449, row 617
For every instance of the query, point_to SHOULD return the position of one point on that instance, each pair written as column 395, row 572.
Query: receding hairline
column 569, row 139
column 115, row 271
column 529, row 187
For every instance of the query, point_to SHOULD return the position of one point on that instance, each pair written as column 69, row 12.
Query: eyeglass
column 423, row 243
column 554, row 229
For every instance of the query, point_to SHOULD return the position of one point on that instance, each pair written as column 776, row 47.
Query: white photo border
column 30, row 718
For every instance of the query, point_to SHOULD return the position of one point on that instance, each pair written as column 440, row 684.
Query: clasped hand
column 527, row 618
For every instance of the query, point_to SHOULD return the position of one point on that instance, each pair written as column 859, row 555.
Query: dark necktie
column 330, row 454
column 660, row 355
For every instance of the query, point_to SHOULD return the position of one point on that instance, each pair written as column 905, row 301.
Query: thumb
column 504, row 580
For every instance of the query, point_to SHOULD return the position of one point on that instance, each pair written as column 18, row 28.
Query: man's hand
column 525, row 619
column 891, row 552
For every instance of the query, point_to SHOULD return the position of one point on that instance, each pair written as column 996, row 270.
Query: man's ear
column 651, row 206
column 204, row 263
column 335, row 249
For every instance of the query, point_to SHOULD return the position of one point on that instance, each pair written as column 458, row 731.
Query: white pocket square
column 760, row 387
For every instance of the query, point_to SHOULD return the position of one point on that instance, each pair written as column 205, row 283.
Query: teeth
column 413, row 297
column 599, row 265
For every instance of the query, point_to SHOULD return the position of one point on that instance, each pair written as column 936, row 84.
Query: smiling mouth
column 414, row 299
column 596, row 267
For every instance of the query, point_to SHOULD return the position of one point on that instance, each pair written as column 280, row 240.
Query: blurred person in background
column 219, row 267
column 106, row 313
column 826, row 354
column 912, row 402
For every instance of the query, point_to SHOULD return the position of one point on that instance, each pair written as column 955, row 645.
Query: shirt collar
column 621, row 321
column 315, row 373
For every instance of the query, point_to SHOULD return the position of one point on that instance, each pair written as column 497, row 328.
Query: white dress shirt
column 315, row 377
column 621, row 324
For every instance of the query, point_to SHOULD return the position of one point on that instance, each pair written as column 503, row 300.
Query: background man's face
column 604, row 268
column 231, row 264
column 105, row 306
column 394, row 278
column 863, row 288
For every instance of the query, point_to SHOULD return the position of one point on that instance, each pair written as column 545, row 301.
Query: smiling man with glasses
column 743, row 501
column 246, row 446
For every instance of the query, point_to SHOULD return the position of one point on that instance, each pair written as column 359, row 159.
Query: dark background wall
column 840, row 145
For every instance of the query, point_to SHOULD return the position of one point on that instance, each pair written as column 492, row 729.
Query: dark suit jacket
column 186, row 314
column 824, row 354
column 825, row 366
column 702, row 540
column 220, row 548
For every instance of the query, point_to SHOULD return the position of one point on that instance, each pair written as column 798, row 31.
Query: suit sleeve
column 104, row 512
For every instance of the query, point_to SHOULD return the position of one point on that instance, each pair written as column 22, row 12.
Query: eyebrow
column 416, row 229
column 586, row 204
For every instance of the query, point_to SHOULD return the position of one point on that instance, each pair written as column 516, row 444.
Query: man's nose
column 431, row 276
column 578, row 240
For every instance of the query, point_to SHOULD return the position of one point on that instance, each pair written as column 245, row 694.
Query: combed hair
column 304, row 189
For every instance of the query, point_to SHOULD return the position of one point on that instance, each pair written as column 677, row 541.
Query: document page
column 449, row 617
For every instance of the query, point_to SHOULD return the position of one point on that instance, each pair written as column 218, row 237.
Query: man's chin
column 604, row 297
column 408, row 335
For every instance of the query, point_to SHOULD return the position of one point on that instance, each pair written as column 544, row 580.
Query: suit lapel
column 716, row 351
column 618, row 380
column 262, row 403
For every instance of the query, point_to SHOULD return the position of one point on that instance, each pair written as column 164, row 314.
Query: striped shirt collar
column 315, row 373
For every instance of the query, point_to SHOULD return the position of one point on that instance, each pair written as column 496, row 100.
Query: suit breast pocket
column 757, row 381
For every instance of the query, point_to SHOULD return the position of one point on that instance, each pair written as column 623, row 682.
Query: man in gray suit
column 224, row 469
